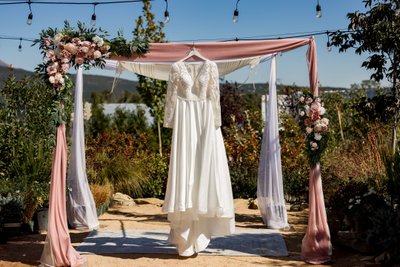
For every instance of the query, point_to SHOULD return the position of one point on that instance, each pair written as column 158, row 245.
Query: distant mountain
column 3, row 64
column 91, row 83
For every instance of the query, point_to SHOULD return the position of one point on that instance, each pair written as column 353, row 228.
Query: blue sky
column 198, row 20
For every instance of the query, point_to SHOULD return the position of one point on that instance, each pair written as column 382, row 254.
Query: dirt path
column 25, row 250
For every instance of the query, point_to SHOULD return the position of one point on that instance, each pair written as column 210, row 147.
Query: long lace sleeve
column 170, row 99
column 214, row 95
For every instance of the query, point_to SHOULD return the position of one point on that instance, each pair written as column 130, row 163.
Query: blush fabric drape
column 58, row 250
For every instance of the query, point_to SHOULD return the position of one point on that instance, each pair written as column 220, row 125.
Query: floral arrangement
column 74, row 47
column 70, row 48
column 314, row 124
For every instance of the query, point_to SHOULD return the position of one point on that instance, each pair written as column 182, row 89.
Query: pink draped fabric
column 316, row 247
column 58, row 250
column 171, row 52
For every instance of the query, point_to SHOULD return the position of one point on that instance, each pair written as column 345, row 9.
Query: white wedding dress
column 198, row 198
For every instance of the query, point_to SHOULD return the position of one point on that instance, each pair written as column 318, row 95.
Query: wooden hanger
column 194, row 53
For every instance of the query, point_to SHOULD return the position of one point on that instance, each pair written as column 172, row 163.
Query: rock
column 152, row 201
column 120, row 199
column 252, row 204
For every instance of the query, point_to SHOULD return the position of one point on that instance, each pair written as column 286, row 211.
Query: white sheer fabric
column 160, row 71
column 270, row 195
column 81, row 208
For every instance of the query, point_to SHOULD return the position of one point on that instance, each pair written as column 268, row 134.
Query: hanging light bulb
column 30, row 16
column 93, row 21
column 20, row 45
column 166, row 13
column 29, row 19
column 318, row 10
column 235, row 18
column 166, row 17
column 328, row 43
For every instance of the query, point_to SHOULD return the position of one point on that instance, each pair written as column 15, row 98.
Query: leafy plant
column 155, row 168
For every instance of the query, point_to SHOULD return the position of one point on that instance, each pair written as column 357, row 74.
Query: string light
column 30, row 16
column 20, row 44
column 166, row 13
column 93, row 21
column 235, row 18
column 328, row 44
column 318, row 10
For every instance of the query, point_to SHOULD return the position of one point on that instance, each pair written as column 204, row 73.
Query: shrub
column 155, row 168
column 101, row 193
column 243, row 143
column 295, row 168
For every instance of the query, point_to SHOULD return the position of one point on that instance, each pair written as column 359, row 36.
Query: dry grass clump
column 101, row 193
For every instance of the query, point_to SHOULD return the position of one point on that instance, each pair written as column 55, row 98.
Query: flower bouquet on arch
column 314, row 125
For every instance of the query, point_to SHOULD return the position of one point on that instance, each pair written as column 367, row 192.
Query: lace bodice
column 193, row 82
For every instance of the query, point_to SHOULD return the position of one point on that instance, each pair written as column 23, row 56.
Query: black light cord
column 71, row 3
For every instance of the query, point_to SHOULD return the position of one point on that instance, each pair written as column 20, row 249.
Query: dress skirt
column 198, row 198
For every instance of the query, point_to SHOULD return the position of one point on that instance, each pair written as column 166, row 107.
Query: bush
column 155, row 168
column 11, row 208
column 243, row 143
column 295, row 168
column 101, row 193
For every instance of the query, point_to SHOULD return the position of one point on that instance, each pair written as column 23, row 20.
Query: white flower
column 314, row 146
column 87, row 111
column 52, row 79
column 317, row 136
column 322, row 110
column 302, row 113
column 309, row 130
column 301, row 99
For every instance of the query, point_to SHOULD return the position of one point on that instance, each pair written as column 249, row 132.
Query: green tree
column 377, row 33
column 152, row 91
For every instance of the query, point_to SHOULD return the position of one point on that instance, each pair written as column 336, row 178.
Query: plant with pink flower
column 315, row 125
column 75, row 47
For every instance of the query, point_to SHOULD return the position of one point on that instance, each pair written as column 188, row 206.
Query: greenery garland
column 75, row 47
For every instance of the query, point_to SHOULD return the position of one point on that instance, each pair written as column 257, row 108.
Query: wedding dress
column 198, row 198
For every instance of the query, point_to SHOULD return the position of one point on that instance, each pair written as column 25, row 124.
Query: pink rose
column 315, row 106
column 65, row 67
column 58, row 38
column 84, row 49
column 309, row 100
column 315, row 116
column 51, row 54
column 325, row 121
column 52, row 68
column 47, row 41
column 97, row 54
column 70, row 47
column 314, row 146
column 86, row 43
column 57, row 77
column 307, row 122
column 65, row 54
column 79, row 60
column 317, row 128
column 308, row 130
column 76, row 41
